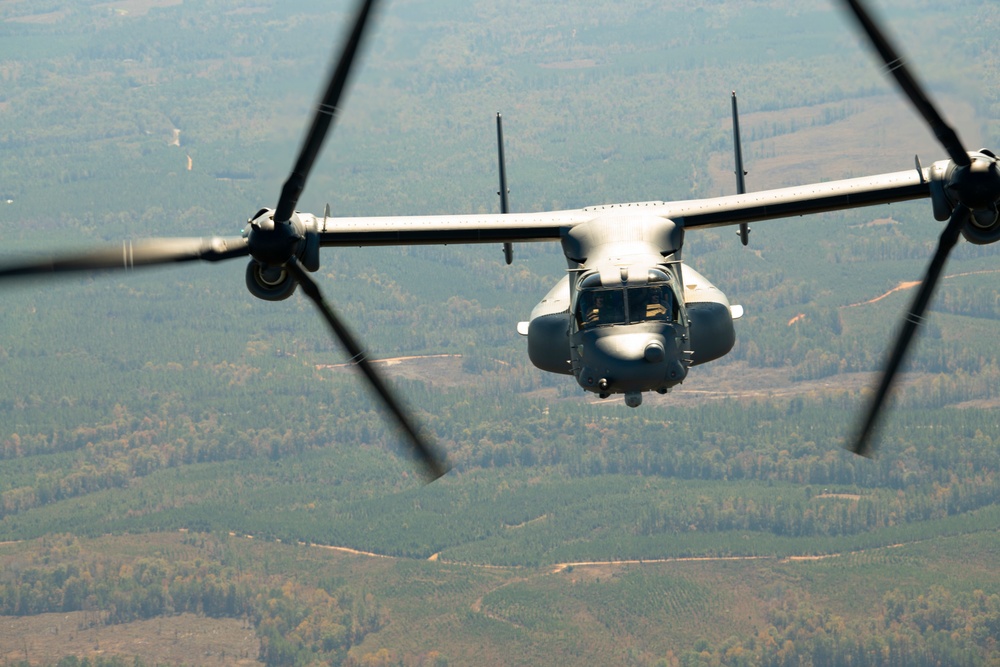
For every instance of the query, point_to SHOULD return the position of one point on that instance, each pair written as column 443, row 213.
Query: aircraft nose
column 630, row 347
column 635, row 361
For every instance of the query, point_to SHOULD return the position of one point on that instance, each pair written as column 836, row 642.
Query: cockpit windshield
column 597, row 307
column 650, row 303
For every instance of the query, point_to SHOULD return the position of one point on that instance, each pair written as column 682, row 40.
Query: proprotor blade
column 325, row 115
column 435, row 464
column 944, row 133
column 130, row 255
column 863, row 443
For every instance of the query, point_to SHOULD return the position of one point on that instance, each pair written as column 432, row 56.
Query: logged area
column 181, row 639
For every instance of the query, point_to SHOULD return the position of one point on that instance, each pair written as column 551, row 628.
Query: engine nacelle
column 712, row 332
column 975, row 186
column 270, row 283
column 983, row 227
column 548, row 343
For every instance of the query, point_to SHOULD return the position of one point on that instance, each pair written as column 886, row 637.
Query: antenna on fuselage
column 508, row 248
column 741, row 186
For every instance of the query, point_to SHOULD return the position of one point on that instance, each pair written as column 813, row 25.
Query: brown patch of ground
column 440, row 369
column 608, row 567
column 137, row 7
column 738, row 380
column 183, row 639
column 355, row 552
column 248, row 10
column 528, row 522
column 980, row 404
column 571, row 64
column 44, row 18
column 879, row 222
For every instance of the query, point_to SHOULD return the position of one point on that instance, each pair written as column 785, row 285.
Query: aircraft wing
column 802, row 199
column 711, row 212
column 446, row 229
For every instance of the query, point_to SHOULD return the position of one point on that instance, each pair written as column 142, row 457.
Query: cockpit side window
column 600, row 307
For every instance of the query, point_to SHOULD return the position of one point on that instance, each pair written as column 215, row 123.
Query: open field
column 816, row 142
column 591, row 612
column 185, row 639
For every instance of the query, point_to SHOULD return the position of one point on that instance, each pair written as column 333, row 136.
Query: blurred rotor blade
column 944, row 133
column 863, row 442
column 325, row 115
column 130, row 255
column 435, row 464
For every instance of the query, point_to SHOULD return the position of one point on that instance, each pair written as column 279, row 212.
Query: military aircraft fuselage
column 628, row 317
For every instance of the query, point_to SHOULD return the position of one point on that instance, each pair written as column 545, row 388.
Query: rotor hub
column 273, row 243
column 977, row 185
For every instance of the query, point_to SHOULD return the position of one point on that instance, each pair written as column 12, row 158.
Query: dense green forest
column 170, row 446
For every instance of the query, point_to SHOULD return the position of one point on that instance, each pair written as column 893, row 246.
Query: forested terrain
column 170, row 445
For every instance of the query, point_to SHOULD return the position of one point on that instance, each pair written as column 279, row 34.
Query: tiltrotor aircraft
column 629, row 316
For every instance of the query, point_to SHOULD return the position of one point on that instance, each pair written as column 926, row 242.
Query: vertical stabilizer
column 508, row 248
column 741, row 186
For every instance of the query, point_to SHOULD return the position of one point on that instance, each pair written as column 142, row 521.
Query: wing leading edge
column 806, row 199
column 446, row 229
column 711, row 212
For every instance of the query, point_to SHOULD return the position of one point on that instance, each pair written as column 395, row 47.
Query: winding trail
column 898, row 288
column 559, row 567
column 913, row 283
column 393, row 360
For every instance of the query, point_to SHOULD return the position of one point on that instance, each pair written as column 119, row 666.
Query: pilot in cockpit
column 594, row 314
column 656, row 309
